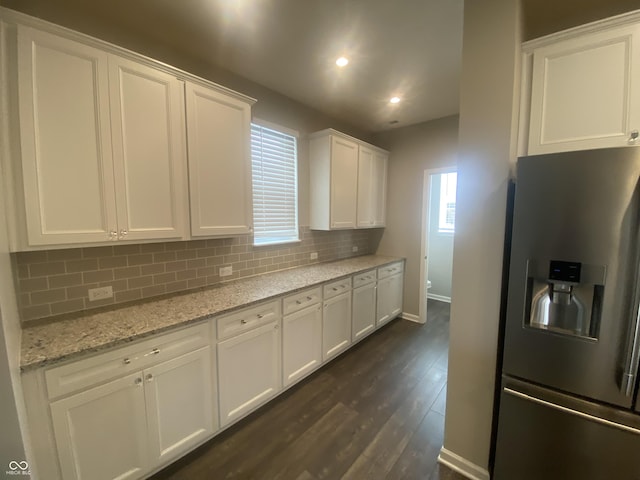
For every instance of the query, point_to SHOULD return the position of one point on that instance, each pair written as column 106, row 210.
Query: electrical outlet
column 100, row 293
column 354, row 249
column 313, row 256
column 226, row 271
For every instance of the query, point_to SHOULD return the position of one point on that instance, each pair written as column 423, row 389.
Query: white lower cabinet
column 129, row 426
column 301, row 343
column 101, row 433
column 364, row 311
column 248, row 370
column 336, row 325
column 179, row 399
column 389, row 301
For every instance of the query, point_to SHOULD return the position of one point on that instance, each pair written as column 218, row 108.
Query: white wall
column 11, row 402
column 440, row 250
column 490, row 65
column 413, row 149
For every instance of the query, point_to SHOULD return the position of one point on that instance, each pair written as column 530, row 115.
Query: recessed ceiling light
column 342, row 62
column 394, row 100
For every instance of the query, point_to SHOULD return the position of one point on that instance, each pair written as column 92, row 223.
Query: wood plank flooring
column 375, row 412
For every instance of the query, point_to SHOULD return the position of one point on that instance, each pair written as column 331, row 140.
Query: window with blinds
column 274, row 166
column 447, row 220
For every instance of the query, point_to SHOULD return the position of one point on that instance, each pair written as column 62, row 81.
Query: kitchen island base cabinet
column 336, row 325
column 249, row 371
column 301, row 343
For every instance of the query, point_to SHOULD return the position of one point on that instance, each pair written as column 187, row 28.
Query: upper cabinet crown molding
column 13, row 17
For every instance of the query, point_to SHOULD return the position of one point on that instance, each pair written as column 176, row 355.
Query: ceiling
column 406, row 48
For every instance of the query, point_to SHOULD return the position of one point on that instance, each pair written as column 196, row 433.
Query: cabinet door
column 147, row 123
column 101, row 433
column 219, row 149
column 389, row 301
column 301, row 343
column 67, row 164
column 379, row 189
column 585, row 92
column 180, row 406
column 248, row 371
column 364, row 311
column 344, row 182
column 365, row 211
column 336, row 325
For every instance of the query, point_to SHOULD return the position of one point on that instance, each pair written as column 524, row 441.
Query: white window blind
column 447, row 217
column 275, row 186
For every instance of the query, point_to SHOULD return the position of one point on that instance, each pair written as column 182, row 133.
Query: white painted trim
column 424, row 239
column 411, row 317
column 439, row 298
column 599, row 25
column 12, row 16
column 462, row 465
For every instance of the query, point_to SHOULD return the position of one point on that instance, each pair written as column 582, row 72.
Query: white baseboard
column 462, row 466
column 440, row 298
column 411, row 317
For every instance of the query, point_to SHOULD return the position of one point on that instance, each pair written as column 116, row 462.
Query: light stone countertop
column 46, row 344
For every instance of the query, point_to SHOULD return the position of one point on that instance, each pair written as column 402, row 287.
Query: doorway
column 438, row 230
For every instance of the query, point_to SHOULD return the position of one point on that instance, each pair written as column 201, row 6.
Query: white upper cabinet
column 347, row 183
column 372, row 186
column 102, row 143
column 147, row 124
column 65, row 132
column 585, row 90
column 219, row 146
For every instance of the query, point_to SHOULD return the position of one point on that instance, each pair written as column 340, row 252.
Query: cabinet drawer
column 100, row 368
column 336, row 288
column 300, row 300
column 364, row 278
column 248, row 319
column 392, row 269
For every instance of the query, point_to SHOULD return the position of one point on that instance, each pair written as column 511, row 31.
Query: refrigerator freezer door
column 550, row 436
column 572, row 300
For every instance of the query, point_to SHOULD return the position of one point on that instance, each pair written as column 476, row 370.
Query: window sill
column 277, row 242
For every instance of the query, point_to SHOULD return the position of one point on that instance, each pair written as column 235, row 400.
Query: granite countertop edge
column 51, row 343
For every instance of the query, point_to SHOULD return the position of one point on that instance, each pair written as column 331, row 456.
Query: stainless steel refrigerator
column 568, row 404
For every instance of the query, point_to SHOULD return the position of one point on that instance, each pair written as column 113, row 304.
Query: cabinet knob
column 299, row 302
column 124, row 232
column 112, row 234
column 335, row 289
column 138, row 381
column 127, row 361
column 259, row 315
column 243, row 321
column 633, row 136
column 308, row 298
column 149, row 377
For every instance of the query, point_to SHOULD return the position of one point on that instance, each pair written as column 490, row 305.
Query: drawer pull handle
column 127, row 361
column 309, row 298
column 335, row 289
column 259, row 316
column 149, row 377
column 155, row 351
column 137, row 382
column 243, row 321
column 299, row 302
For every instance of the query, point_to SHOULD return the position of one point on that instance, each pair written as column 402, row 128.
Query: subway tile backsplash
column 54, row 282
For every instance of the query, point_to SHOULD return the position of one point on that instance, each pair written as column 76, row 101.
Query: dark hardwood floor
column 375, row 412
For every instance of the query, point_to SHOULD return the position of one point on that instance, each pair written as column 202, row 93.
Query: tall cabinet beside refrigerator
column 569, row 392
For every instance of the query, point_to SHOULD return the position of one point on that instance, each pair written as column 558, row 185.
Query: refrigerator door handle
column 630, row 367
column 570, row 411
